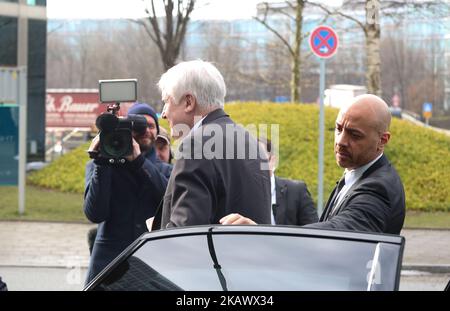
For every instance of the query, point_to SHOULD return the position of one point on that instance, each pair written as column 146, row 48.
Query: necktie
column 274, row 211
column 340, row 185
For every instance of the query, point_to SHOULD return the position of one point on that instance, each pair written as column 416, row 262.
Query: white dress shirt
column 274, row 199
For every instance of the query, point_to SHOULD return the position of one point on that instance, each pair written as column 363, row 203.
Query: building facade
column 23, row 33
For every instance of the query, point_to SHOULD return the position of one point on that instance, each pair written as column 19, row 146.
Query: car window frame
column 280, row 230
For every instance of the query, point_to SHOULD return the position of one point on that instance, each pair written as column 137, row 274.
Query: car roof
column 277, row 230
column 365, row 237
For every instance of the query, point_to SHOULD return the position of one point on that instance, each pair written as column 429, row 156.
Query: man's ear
column 191, row 103
column 384, row 139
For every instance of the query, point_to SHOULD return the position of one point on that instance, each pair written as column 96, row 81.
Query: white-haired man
column 218, row 169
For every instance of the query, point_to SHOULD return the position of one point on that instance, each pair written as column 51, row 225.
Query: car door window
column 255, row 262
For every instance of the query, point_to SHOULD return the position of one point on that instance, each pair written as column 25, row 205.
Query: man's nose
column 341, row 139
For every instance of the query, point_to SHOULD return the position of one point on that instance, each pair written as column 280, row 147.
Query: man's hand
column 136, row 151
column 94, row 147
column 236, row 219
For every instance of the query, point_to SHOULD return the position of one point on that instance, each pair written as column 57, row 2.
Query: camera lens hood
column 107, row 122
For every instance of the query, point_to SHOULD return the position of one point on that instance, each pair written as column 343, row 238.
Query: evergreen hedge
column 420, row 155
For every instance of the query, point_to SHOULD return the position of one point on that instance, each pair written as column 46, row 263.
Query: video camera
column 116, row 139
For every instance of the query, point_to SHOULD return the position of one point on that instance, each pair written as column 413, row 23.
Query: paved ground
column 43, row 279
column 63, row 279
column 427, row 247
column 65, row 245
column 31, row 245
column 43, row 244
column 423, row 281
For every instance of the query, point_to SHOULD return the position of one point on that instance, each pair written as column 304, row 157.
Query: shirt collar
column 352, row 175
column 197, row 124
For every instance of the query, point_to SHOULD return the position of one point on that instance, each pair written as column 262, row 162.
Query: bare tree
column 278, row 76
column 60, row 60
column 410, row 69
column 371, row 29
column 371, row 26
column 233, row 55
column 293, row 46
column 78, row 59
column 168, row 32
column 144, row 65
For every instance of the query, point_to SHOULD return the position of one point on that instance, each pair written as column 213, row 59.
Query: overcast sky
column 225, row 9
column 205, row 9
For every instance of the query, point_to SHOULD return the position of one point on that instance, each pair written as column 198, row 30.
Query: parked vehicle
column 340, row 94
column 396, row 112
column 255, row 258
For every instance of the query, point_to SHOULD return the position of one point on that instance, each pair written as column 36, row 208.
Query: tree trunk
column 168, row 58
column 296, row 57
column 372, row 33
column 293, row 46
column 168, row 34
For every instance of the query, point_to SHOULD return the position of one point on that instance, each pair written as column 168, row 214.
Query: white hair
column 199, row 78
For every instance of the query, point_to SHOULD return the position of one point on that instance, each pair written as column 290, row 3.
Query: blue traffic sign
column 323, row 41
column 281, row 99
column 427, row 107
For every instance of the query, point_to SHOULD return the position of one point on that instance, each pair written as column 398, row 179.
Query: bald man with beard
column 370, row 196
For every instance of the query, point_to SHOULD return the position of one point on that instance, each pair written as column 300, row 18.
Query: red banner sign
column 75, row 108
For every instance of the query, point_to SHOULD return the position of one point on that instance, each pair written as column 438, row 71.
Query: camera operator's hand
column 136, row 151
column 94, row 147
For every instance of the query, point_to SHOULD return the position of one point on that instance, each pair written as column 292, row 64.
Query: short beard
column 146, row 147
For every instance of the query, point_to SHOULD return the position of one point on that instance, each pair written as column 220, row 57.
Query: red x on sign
column 323, row 41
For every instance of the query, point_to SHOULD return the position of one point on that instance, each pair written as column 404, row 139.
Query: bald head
column 373, row 109
column 362, row 131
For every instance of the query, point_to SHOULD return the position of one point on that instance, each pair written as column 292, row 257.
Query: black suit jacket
column 294, row 203
column 202, row 189
column 374, row 203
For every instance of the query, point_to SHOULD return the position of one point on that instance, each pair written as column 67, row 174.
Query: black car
column 255, row 258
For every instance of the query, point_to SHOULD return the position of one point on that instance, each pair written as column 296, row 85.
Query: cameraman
column 121, row 197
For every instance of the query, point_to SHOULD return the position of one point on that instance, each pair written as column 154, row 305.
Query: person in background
column 291, row 201
column 162, row 146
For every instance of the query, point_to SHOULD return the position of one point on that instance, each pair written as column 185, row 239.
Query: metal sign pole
column 22, row 62
column 321, row 137
column 324, row 43
column 22, row 101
